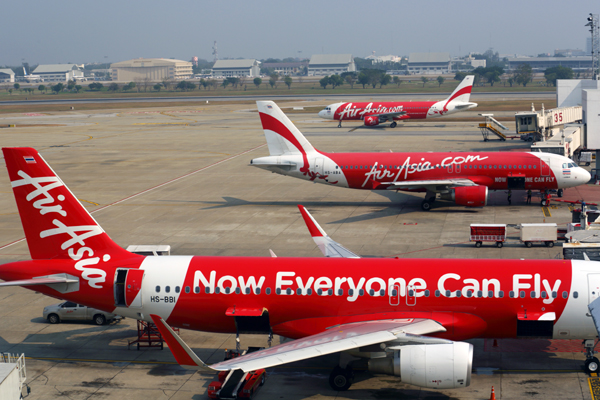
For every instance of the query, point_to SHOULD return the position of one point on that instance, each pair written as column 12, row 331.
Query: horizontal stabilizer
column 328, row 246
column 38, row 281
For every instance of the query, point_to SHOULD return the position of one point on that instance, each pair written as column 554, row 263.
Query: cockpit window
column 569, row 165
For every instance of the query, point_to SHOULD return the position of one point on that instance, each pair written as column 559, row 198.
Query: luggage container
column 488, row 233
column 539, row 233
column 576, row 251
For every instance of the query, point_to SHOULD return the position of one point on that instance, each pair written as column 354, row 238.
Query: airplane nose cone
column 322, row 113
column 585, row 175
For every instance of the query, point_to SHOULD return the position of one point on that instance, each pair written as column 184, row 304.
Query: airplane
column 409, row 317
column 375, row 113
column 30, row 78
column 462, row 177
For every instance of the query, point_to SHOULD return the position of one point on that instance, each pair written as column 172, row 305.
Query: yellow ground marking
column 594, row 387
column 87, row 201
column 546, row 212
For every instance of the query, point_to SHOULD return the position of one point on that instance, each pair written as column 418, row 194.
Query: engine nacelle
column 371, row 121
column 437, row 366
column 470, row 196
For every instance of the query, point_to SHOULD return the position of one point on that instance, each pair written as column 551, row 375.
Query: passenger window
column 448, row 293
column 177, row 289
column 437, row 293
column 532, row 295
column 237, row 290
column 544, row 294
column 227, row 290
column 350, row 292
column 247, row 291
column 490, row 293
column 206, row 290
column 394, row 292
column 554, row 295
column 565, row 295
column 288, row 291
column 217, row 290
column 361, row 292
column 511, row 294
column 167, row 289
column 469, row 293
column 458, row 293
column 158, row 289
column 479, row 293
column 257, row 290
column 187, row 289
column 298, row 291
column 330, row 292
column 522, row 294
column 268, row 291
column 500, row 294
column 371, row 292
column 575, row 295
column 382, row 292
column 320, row 292
column 427, row 293
column 411, row 293
column 278, row 291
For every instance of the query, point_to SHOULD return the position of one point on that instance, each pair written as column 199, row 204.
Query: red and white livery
column 462, row 177
column 377, row 112
column 408, row 316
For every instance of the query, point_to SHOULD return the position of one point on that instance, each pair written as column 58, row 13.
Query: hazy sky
column 47, row 32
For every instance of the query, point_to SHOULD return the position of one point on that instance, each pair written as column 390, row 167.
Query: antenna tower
column 593, row 24
column 215, row 52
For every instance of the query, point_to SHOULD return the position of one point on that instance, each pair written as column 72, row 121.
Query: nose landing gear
column 591, row 364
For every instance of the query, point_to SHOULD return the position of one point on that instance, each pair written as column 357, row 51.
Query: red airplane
column 462, row 177
column 375, row 113
column 408, row 316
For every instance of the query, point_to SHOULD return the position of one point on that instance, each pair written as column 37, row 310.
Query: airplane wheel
column 478, row 244
column 340, row 379
column 393, row 124
column 543, row 203
column 426, row 205
column 53, row 319
column 591, row 365
column 560, row 193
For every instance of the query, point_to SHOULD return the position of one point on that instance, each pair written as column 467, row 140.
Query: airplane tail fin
column 283, row 138
column 462, row 93
column 56, row 225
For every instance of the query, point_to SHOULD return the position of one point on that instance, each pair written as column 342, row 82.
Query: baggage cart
column 495, row 233
column 539, row 233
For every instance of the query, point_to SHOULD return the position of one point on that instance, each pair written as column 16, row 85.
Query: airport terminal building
column 58, row 72
column 429, row 63
column 7, row 75
column 154, row 69
column 330, row 64
column 236, row 68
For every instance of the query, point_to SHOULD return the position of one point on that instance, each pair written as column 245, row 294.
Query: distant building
column 287, row 68
column 383, row 59
column 154, row 69
column 569, row 53
column 429, row 63
column 7, row 75
column 328, row 64
column 539, row 64
column 58, row 72
column 236, row 68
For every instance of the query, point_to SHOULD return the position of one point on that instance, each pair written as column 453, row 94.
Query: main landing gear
column 393, row 124
column 428, row 202
column 591, row 363
column 559, row 193
column 340, row 378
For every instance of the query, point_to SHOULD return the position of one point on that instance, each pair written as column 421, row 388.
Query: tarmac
column 181, row 176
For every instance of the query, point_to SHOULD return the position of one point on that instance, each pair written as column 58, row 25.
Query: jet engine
column 371, row 121
column 437, row 366
column 470, row 196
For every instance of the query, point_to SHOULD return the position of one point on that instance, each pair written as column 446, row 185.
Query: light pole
column 593, row 24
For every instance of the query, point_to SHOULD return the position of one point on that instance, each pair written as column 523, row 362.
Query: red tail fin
column 56, row 225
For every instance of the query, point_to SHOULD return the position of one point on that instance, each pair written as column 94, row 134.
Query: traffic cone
column 493, row 396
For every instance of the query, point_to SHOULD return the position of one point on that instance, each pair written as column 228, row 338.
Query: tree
column 113, row 87
column 335, row 81
column 397, row 81
column 384, row 79
column 233, row 81
column 42, row 88
column 78, row 88
column 363, row 79
column 554, row 73
column 157, row 87
column 257, row 82
column 510, row 81
column 523, row 74
column 71, row 85
column 460, row 76
column 324, row 82
column 95, row 86
column 225, row 83
column 440, row 80
column 205, row 83
column 17, row 86
column 58, row 88
column 350, row 78
column 424, row 80
column 288, row 81
column 131, row 85
column 273, row 78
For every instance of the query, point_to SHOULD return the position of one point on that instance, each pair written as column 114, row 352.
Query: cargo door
column 319, row 166
column 516, row 181
column 545, row 166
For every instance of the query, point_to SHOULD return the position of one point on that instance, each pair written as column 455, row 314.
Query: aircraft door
column 394, row 291
column 411, row 295
column 128, row 286
column 319, row 165
column 545, row 166
column 593, row 287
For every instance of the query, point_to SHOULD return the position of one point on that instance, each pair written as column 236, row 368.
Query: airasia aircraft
column 408, row 316
column 375, row 113
column 462, row 177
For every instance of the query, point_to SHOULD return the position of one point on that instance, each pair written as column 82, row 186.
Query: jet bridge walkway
column 492, row 127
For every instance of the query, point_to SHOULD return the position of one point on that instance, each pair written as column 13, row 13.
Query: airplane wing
column 388, row 116
column 433, row 185
column 328, row 246
column 339, row 338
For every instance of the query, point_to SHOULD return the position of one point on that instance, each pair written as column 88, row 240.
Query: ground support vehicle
column 488, row 233
column 539, row 233
column 76, row 312
column 237, row 383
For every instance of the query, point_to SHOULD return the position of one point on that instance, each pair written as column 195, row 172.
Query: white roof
column 538, row 224
column 490, row 225
column 234, row 63
column 428, row 57
column 148, row 62
column 331, row 59
column 54, row 68
column 7, row 71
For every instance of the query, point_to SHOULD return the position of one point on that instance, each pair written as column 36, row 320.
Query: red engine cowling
column 371, row 121
column 471, row 196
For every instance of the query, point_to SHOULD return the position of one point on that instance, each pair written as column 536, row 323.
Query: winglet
column 328, row 246
column 181, row 351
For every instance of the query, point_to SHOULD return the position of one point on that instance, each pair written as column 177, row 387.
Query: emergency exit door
column 128, row 287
